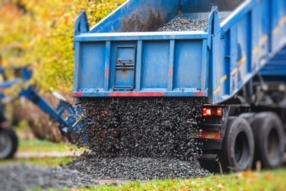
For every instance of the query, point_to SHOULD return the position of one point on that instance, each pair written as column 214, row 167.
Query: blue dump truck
column 233, row 72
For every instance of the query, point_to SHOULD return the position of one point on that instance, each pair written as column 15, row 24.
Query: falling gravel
column 141, row 138
column 185, row 24
column 136, row 168
column 143, row 127
column 20, row 177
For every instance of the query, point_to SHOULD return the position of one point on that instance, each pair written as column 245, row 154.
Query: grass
column 37, row 145
column 41, row 146
column 264, row 181
column 245, row 181
column 40, row 161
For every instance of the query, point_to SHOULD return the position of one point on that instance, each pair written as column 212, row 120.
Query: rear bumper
column 99, row 93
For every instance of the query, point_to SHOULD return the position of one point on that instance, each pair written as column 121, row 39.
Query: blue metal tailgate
column 141, row 64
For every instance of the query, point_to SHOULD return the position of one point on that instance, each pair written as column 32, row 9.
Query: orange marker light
column 218, row 111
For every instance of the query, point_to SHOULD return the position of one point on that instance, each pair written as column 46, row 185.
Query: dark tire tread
column 235, row 126
column 261, row 126
column 14, row 139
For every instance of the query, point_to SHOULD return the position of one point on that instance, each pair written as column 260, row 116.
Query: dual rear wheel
column 269, row 138
column 237, row 153
column 251, row 138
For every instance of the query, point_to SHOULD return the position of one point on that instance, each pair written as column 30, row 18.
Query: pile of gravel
column 135, row 168
column 23, row 177
column 143, row 127
column 185, row 24
column 88, row 170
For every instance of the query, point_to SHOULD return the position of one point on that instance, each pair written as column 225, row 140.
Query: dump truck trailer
column 235, row 69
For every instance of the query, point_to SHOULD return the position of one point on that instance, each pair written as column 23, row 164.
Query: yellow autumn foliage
column 40, row 33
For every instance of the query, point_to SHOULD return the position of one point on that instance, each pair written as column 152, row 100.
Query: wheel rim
column 273, row 144
column 5, row 144
column 241, row 149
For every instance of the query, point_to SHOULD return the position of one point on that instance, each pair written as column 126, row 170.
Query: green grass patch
column 42, row 146
column 37, row 145
column 264, row 181
column 40, row 161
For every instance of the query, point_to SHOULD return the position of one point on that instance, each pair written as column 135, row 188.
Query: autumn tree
column 40, row 33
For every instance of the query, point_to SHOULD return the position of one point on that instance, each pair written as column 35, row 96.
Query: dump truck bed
column 275, row 69
column 125, row 56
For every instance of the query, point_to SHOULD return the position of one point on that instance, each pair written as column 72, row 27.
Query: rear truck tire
column 8, row 143
column 269, row 139
column 237, row 152
column 249, row 117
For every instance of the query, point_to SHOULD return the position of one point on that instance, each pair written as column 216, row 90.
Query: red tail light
column 207, row 112
column 212, row 111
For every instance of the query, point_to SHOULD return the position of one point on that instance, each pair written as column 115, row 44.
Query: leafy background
column 40, row 33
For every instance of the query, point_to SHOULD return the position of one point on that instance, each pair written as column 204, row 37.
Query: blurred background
column 39, row 33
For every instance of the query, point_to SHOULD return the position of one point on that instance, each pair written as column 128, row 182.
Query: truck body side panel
column 275, row 69
column 249, row 43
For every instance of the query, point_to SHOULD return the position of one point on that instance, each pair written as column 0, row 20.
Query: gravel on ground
column 18, row 177
column 88, row 170
column 136, row 168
